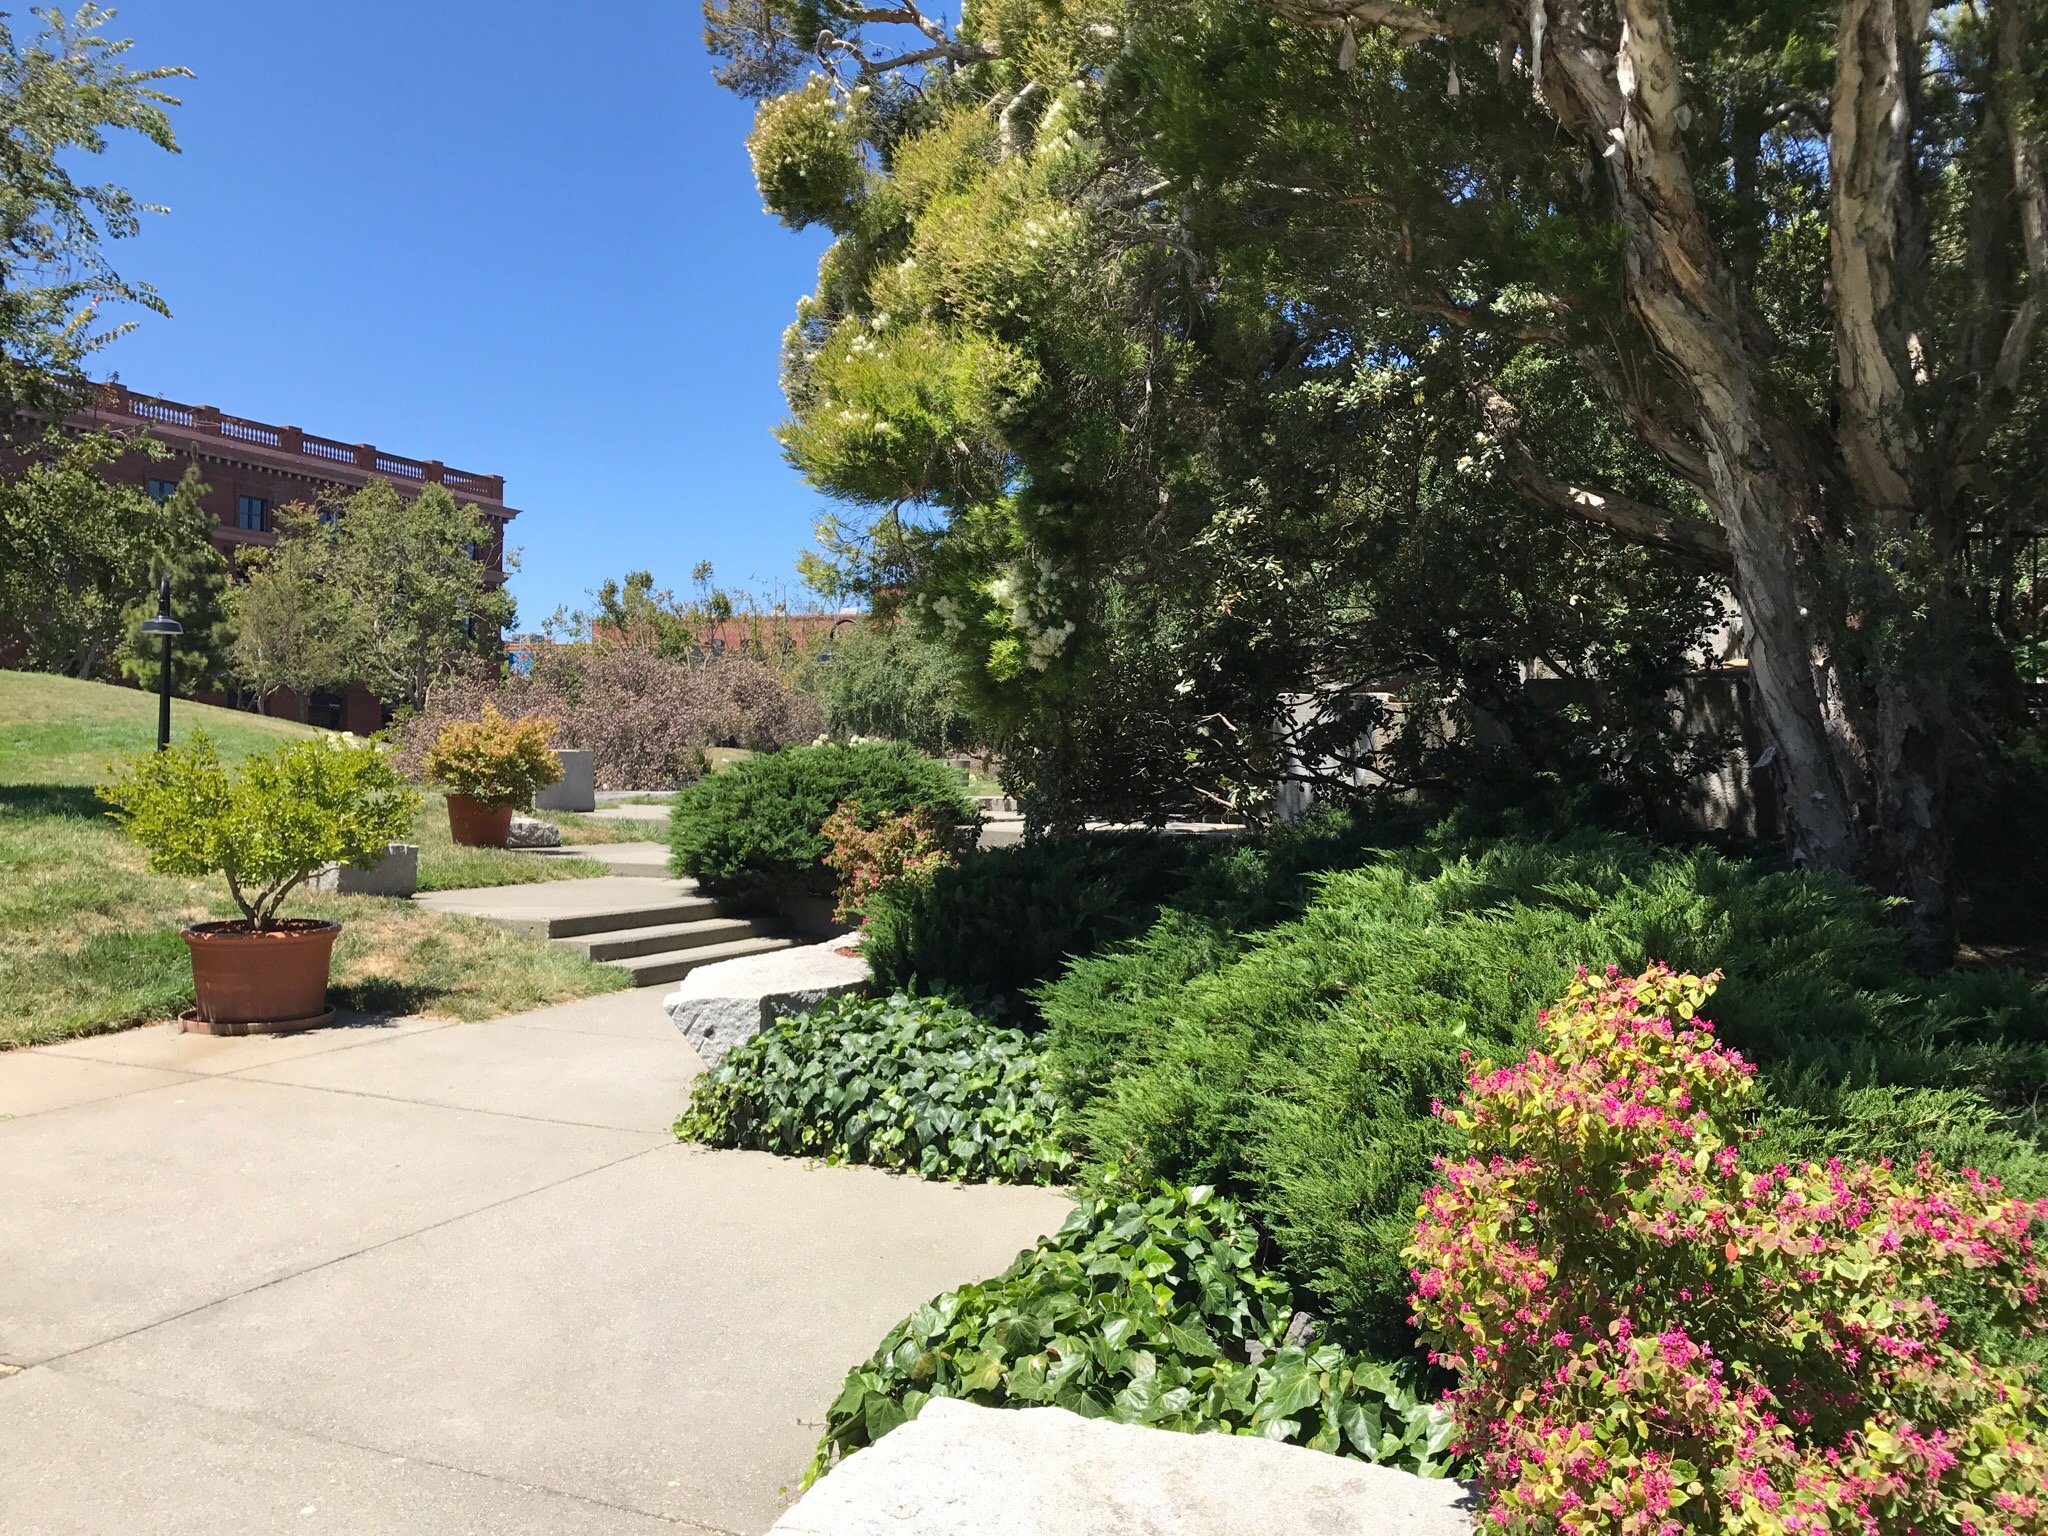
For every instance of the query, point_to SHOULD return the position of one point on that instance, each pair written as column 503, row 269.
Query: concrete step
column 671, row 965
column 685, row 909
column 625, row 943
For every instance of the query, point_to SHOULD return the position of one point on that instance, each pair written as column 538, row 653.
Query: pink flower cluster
column 1651, row 1339
column 868, row 859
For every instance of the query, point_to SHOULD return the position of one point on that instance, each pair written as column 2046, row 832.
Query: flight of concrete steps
column 666, row 939
column 654, row 928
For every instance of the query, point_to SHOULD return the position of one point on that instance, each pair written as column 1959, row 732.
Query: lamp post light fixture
column 163, row 624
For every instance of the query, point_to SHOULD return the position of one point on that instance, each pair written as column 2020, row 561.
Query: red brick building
column 253, row 468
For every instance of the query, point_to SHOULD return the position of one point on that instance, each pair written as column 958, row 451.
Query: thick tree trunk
column 1859, row 756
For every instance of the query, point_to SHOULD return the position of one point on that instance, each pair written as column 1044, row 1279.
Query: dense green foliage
column 918, row 1084
column 199, row 575
column 1005, row 919
column 890, row 681
column 380, row 591
column 270, row 824
column 1008, row 919
column 755, row 831
column 1295, row 1067
column 1204, row 374
column 1149, row 1311
column 74, row 550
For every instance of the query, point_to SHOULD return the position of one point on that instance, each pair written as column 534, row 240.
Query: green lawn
column 88, row 935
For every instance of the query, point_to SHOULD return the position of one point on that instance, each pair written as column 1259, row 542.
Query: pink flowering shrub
column 871, row 859
column 1651, row 1338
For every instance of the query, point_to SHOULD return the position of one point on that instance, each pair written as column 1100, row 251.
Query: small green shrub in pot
column 918, row 1084
column 265, row 829
column 756, row 830
column 1152, row 1311
column 494, row 761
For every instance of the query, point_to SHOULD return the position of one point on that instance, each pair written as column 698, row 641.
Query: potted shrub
column 490, row 767
column 267, row 828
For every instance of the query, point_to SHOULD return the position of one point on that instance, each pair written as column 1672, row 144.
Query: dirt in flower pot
column 476, row 825
column 244, row 975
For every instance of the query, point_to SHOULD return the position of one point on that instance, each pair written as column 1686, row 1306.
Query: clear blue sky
column 522, row 238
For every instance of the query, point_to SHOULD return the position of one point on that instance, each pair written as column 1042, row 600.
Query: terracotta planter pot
column 475, row 825
column 278, row 976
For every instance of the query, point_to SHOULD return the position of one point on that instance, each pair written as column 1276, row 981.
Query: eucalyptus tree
column 1754, row 289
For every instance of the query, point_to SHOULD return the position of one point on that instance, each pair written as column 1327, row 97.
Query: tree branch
column 1637, row 521
column 1410, row 23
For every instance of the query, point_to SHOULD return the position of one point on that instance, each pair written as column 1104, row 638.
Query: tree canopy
column 1198, row 356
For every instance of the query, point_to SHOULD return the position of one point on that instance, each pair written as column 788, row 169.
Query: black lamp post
column 163, row 624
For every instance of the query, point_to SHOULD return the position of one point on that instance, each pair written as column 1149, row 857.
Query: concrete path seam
column 461, row 1109
column 342, row 1258
column 319, row 1438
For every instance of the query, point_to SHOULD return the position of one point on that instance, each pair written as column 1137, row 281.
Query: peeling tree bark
column 1862, row 752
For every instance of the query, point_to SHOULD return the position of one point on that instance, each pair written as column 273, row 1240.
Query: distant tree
column 371, row 590
column 287, row 630
column 199, row 576
column 890, row 680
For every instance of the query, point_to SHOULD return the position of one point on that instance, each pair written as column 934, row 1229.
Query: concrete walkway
column 418, row 1277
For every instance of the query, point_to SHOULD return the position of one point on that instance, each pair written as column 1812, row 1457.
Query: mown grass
column 89, row 935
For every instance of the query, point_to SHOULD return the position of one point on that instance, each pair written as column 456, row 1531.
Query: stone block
column 962, row 1470
column 530, row 832
column 576, row 790
column 396, row 874
column 717, row 1006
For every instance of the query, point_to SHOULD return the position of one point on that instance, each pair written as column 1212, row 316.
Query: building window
column 161, row 491
column 252, row 513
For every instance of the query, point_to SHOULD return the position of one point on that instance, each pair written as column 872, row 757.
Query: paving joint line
column 343, row 1258
column 318, row 1437
column 465, row 1109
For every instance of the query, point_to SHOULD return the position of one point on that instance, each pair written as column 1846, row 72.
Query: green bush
column 1149, row 1312
column 754, row 831
column 911, row 1083
column 1295, row 1068
column 1007, row 920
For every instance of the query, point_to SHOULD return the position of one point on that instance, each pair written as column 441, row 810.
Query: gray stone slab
column 166, row 1047
column 660, row 1335
column 32, row 1082
column 645, row 859
column 508, row 1068
column 124, row 1212
column 962, row 1470
column 533, row 909
column 86, row 1459
column 396, row 874
column 718, row 1006
column 576, row 790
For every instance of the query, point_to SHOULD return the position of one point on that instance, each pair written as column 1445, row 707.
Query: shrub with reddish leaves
column 873, row 859
column 1651, row 1338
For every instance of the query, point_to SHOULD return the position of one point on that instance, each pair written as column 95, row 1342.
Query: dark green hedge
column 752, row 831
column 1009, row 919
column 1295, row 1068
